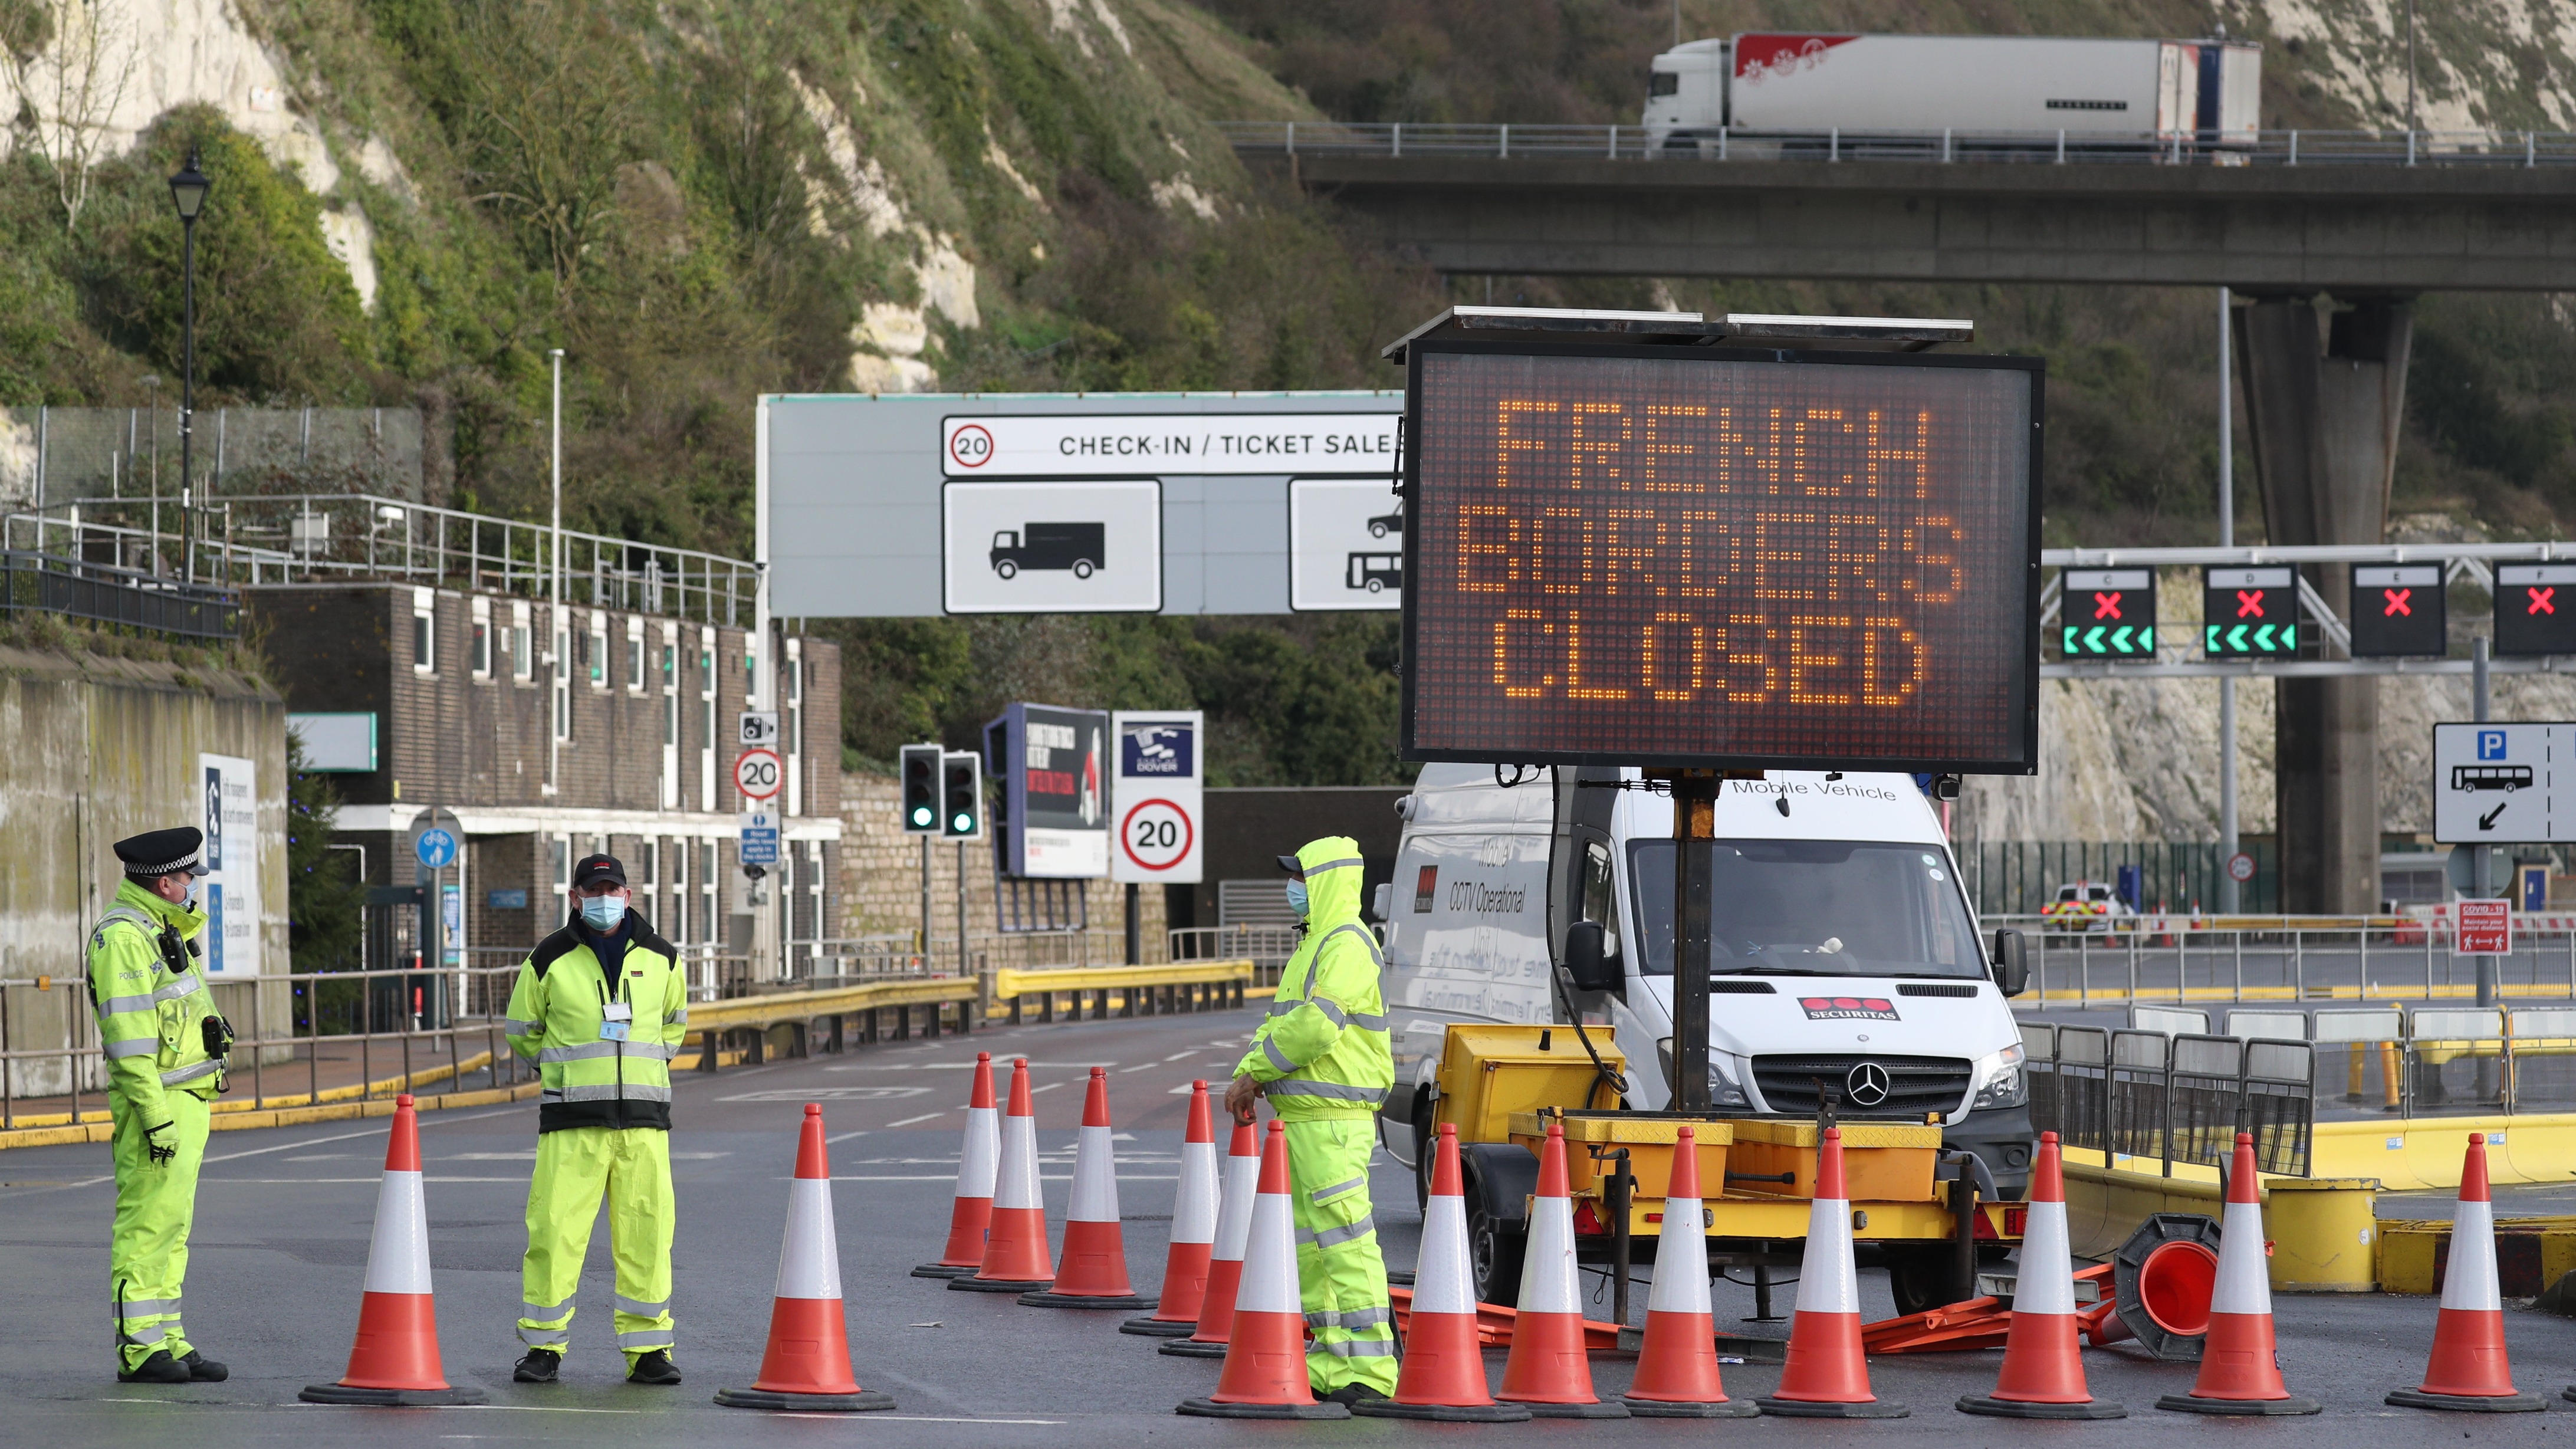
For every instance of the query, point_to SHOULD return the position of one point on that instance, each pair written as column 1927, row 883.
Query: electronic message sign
column 1723, row 558
column 2108, row 614
column 2397, row 611
column 2249, row 613
column 2535, row 608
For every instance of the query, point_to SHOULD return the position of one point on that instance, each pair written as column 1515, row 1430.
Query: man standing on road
column 165, row 1047
column 601, row 1005
column 1321, row 1057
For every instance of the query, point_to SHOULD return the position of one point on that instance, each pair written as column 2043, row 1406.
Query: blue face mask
column 1297, row 898
column 602, row 913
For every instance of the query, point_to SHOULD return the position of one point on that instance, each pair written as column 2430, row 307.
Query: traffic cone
column 2043, row 1372
column 1094, row 1274
column 807, row 1367
column 1677, row 1374
column 2240, row 1371
column 1185, row 1264
column 394, row 1359
column 1444, row 1365
column 2469, row 1370
column 1015, row 1243
column 1547, row 1369
column 1827, row 1376
column 1265, row 1358
column 1225, row 1255
column 972, row 1211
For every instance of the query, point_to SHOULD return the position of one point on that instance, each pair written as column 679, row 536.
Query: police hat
column 590, row 870
column 162, row 852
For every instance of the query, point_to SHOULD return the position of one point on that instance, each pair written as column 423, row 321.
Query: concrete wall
column 99, row 749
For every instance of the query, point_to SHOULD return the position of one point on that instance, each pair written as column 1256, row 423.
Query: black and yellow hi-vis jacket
column 556, row 1017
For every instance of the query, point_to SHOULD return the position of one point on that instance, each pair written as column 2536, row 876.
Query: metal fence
column 2018, row 877
column 118, row 597
column 2172, row 1098
column 2428, row 1060
column 2242, row 959
column 1946, row 146
column 50, row 455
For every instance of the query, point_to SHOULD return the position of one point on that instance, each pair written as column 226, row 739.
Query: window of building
column 595, row 650
column 794, row 729
column 479, row 647
column 634, row 656
column 648, row 892
column 522, row 659
column 676, row 929
column 707, row 724
column 709, row 922
column 559, row 873
column 561, row 667
column 424, row 630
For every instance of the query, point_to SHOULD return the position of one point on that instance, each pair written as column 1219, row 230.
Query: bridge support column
column 2324, row 396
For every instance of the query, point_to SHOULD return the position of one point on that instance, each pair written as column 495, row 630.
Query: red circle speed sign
column 970, row 446
column 2240, row 867
column 1157, row 835
column 758, row 774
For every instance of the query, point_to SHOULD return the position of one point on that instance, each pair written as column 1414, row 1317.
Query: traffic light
column 2535, row 608
column 921, row 789
column 2250, row 613
column 2397, row 611
column 961, row 795
column 2107, row 614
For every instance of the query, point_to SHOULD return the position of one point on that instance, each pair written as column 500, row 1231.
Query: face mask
column 190, row 899
column 602, row 913
column 1297, row 897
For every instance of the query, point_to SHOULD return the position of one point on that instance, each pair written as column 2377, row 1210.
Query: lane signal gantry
column 2535, row 609
column 2108, row 614
column 2398, row 611
column 2250, row 613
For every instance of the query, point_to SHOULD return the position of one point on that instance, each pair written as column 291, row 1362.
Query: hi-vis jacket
column 1323, row 1049
column 151, row 1001
column 556, row 1017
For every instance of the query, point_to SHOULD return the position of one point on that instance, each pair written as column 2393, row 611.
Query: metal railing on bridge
column 39, row 583
column 2483, row 148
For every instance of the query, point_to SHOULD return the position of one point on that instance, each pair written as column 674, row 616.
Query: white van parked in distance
column 1845, row 959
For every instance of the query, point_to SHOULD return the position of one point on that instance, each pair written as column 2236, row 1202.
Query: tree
column 325, row 901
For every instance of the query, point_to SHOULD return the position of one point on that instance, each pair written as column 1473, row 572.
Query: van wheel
column 1494, row 1252
column 1082, row 568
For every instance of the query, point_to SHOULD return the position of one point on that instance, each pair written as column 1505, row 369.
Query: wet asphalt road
column 284, row 1218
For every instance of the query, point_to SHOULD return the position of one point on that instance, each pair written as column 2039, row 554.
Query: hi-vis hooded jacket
column 152, row 1001
column 1323, row 1050
column 558, row 1009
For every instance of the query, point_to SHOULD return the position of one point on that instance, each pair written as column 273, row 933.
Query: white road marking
column 924, row 1117
column 897, row 1418
column 952, row 1177
column 325, row 1157
column 827, row 1094
column 846, row 1136
column 1049, row 1087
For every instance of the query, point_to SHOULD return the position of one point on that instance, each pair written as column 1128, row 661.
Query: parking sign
column 2499, row 782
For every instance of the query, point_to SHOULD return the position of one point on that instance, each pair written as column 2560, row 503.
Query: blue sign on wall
column 505, row 900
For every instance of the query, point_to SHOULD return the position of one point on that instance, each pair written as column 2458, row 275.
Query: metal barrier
column 1183, row 986
column 125, row 598
column 2194, row 960
column 2173, row 1098
column 1266, row 947
column 752, row 1017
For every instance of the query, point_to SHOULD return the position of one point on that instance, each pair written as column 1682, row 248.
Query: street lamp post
column 188, row 193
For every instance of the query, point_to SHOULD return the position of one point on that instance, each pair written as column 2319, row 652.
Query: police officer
column 1321, row 1057
column 601, row 1006
column 165, row 1046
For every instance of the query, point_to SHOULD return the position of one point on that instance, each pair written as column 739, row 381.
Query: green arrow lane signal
column 2289, row 636
column 2069, row 646
column 2263, row 637
column 2236, row 639
column 2093, row 640
column 2147, row 638
column 2120, row 639
column 2212, row 646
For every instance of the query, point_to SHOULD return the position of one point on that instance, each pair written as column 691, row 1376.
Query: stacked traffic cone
column 1547, row 1369
column 1265, row 1360
column 1185, row 1264
column 972, row 1211
column 1094, row 1274
column 2043, row 1372
column 2240, row 1372
column 1225, row 1255
column 807, row 1367
column 394, row 1360
column 1015, row 1242
column 1827, row 1376
column 1444, row 1365
column 2469, row 1369
column 1677, row 1374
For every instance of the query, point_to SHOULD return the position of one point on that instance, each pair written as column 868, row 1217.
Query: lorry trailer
column 1844, row 95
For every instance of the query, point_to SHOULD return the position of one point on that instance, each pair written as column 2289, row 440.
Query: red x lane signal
column 2541, row 600
column 2249, row 603
column 2396, row 602
column 2106, row 606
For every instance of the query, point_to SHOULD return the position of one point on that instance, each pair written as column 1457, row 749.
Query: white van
column 1846, row 958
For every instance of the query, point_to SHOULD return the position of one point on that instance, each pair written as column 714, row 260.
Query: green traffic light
column 965, row 824
column 921, row 815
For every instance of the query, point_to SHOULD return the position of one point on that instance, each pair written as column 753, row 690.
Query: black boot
column 654, row 1367
column 160, row 1368
column 205, row 1370
column 538, row 1367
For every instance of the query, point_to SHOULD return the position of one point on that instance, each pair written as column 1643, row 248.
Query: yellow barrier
column 712, row 1019
column 238, row 1121
column 2411, row 1154
column 1183, row 986
column 2322, row 1228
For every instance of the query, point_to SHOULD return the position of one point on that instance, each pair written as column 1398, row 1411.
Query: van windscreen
column 1814, row 908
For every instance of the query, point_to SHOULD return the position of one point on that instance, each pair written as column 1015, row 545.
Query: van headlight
column 1999, row 1080
column 1726, row 1074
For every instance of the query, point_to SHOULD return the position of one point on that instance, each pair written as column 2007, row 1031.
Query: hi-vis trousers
column 1340, row 1273
column 576, row 1168
column 155, row 1204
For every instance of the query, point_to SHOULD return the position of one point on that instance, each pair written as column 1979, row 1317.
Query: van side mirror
column 1381, row 900
column 2012, row 962
column 1590, row 958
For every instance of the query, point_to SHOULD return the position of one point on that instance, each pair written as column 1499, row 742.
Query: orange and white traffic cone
column 972, row 1210
column 807, row 1367
column 1094, row 1271
column 1185, row 1263
column 2043, row 1372
column 1443, row 1376
column 1677, row 1376
column 2240, row 1371
column 2469, row 1369
column 1015, row 1243
column 1225, row 1255
column 1265, row 1359
column 1827, row 1376
column 394, row 1359
column 1547, row 1369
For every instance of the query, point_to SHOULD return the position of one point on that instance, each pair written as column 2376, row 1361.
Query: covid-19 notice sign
column 1691, row 557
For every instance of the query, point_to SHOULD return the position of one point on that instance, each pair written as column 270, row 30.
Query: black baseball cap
column 590, row 870
column 1292, row 865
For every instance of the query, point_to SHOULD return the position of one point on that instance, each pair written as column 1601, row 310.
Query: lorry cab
column 1845, row 959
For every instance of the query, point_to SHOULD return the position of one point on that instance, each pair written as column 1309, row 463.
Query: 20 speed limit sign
column 1156, row 834
column 758, row 774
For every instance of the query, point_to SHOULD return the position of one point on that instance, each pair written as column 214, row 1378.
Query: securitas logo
column 1848, row 1008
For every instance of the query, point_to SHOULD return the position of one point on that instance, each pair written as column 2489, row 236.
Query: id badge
column 612, row 1031
column 616, row 1011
